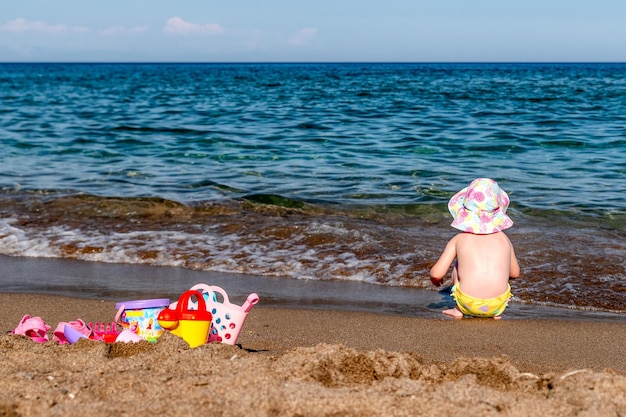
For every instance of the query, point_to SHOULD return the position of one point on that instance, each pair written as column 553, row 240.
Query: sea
column 317, row 171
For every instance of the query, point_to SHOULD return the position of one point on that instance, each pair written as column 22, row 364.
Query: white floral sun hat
column 480, row 208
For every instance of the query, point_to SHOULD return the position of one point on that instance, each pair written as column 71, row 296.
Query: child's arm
column 440, row 269
column 515, row 269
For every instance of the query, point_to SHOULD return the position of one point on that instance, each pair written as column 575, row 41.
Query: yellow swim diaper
column 478, row 307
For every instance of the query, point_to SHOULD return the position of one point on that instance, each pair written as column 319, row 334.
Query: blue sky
column 313, row 31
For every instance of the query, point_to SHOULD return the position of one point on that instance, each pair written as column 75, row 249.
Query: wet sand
column 120, row 282
column 314, row 362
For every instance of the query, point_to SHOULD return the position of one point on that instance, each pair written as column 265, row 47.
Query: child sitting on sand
column 485, row 258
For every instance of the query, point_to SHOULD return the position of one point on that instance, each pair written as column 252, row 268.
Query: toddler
column 485, row 258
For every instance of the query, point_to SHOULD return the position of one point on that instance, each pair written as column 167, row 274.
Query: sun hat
column 480, row 208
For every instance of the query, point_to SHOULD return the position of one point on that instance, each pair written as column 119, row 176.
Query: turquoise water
column 316, row 171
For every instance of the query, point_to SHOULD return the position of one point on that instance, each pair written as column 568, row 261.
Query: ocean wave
column 573, row 265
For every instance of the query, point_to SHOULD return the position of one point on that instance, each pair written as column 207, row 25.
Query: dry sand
column 296, row 362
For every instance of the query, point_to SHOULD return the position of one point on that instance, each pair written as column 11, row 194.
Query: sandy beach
column 324, row 188
column 307, row 362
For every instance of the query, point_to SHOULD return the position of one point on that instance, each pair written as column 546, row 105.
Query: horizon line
column 323, row 62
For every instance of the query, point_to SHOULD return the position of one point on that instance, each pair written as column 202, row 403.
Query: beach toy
column 59, row 334
column 129, row 336
column 106, row 332
column 33, row 327
column 192, row 325
column 142, row 316
column 228, row 318
column 72, row 335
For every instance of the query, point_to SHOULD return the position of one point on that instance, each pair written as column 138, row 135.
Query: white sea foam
column 17, row 242
column 205, row 251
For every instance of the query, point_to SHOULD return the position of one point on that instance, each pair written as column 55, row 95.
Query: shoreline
column 120, row 282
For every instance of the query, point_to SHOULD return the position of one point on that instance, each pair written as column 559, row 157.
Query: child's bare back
column 485, row 263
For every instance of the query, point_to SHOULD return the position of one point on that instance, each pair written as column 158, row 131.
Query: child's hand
column 436, row 281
